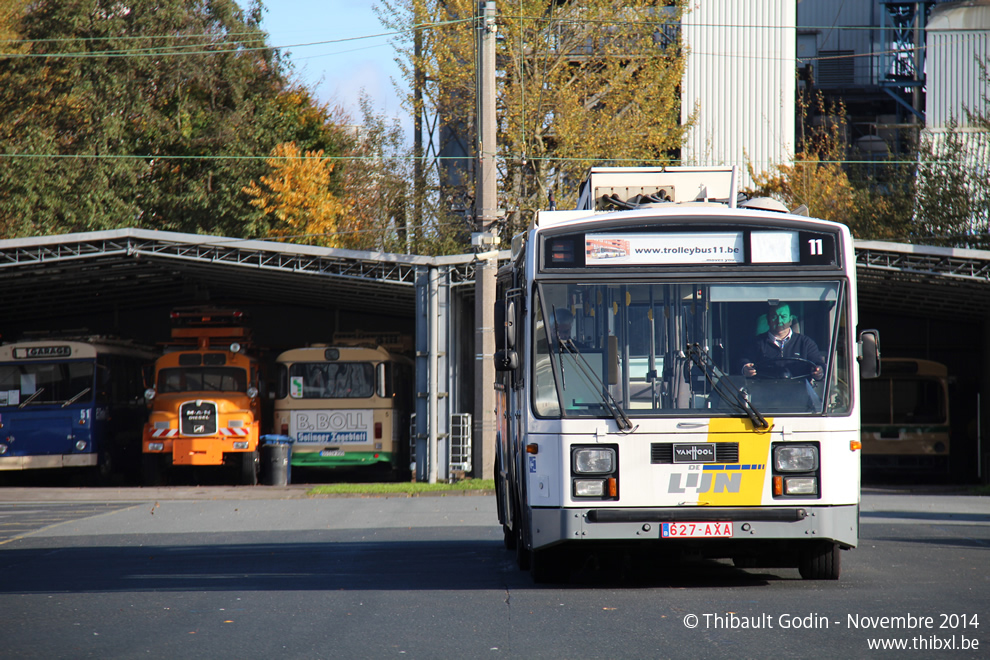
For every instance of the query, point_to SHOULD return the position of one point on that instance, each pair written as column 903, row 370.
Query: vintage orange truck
column 204, row 402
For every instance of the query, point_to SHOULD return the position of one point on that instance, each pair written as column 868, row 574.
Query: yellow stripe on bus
column 737, row 484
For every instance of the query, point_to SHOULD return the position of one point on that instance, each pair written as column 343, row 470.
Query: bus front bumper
column 332, row 459
column 839, row 524
column 47, row 461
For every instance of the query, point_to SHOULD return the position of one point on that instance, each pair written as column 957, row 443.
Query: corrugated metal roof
column 131, row 269
column 46, row 278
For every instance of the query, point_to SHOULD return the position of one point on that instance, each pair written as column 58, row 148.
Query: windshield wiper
column 76, row 397
column 613, row 407
column 32, row 397
column 736, row 394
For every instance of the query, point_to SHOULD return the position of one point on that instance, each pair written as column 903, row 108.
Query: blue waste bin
column 276, row 460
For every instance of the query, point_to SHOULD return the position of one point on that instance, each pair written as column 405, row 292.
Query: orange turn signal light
column 855, row 445
column 532, row 448
column 778, row 485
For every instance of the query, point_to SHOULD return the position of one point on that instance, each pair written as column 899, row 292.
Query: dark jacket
column 798, row 346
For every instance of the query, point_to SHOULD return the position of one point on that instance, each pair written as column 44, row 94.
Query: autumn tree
column 296, row 195
column 875, row 199
column 578, row 84
column 147, row 113
column 815, row 177
column 378, row 183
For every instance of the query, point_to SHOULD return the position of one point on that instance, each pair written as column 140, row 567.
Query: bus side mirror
column 506, row 360
column 505, row 325
column 869, row 354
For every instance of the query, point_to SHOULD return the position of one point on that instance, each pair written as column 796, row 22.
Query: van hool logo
column 704, row 453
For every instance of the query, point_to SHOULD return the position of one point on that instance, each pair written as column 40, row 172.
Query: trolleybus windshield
column 46, row 383
column 331, row 380
column 665, row 348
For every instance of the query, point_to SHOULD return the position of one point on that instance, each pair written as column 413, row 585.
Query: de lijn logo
column 702, row 482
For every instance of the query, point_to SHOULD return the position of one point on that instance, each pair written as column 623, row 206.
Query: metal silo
column 958, row 38
column 740, row 78
column 958, row 41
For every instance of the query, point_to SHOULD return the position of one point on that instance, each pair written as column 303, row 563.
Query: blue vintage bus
column 71, row 403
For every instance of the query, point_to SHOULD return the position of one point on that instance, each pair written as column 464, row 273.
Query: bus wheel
column 152, row 469
column 820, row 561
column 508, row 538
column 104, row 465
column 508, row 534
column 249, row 468
column 547, row 566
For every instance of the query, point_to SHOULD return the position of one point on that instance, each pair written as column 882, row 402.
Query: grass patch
column 403, row 488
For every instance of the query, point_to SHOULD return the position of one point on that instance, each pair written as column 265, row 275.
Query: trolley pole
column 485, row 239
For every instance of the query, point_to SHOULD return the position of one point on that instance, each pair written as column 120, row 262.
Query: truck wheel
column 820, row 561
column 250, row 463
column 152, row 469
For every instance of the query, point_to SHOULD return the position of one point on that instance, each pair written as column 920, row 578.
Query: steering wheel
column 787, row 368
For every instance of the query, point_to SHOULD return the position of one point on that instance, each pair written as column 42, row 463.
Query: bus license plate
column 331, row 452
column 694, row 530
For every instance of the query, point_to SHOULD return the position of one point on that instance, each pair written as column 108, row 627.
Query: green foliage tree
column 148, row 113
column 952, row 193
column 578, row 84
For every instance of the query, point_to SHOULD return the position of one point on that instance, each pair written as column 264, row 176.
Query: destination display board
column 715, row 247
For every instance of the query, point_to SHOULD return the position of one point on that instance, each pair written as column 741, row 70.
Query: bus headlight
column 149, row 394
column 600, row 461
column 252, row 392
column 589, row 487
column 800, row 486
column 593, row 460
column 81, row 445
column 240, row 445
column 795, row 458
column 3, row 449
column 156, row 446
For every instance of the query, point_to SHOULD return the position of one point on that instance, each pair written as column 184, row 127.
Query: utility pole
column 419, row 167
column 485, row 240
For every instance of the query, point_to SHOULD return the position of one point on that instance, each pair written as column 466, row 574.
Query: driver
column 782, row 342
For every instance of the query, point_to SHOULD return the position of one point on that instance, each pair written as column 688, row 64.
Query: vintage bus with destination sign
column 72, row 402
column 679, row 378
column 346, row 405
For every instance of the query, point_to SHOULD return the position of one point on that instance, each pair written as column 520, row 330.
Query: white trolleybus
column 680, row 379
